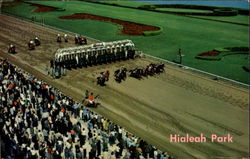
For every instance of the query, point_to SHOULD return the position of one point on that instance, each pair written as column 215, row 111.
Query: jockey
column 65, row 37
column 91, row 98
column 12, row 49
column 106, row 75
column 37, row 42
column 76, row 39
column 59, row 38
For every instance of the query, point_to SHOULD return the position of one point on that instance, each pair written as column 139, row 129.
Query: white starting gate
column 93, row 49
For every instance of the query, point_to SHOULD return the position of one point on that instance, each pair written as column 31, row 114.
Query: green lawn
column 192, row 35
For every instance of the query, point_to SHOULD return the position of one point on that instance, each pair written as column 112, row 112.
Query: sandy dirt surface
column 174, row 102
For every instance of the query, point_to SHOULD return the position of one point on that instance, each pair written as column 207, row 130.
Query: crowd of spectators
column 38, row 121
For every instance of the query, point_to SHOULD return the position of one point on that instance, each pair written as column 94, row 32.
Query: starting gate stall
column 98, row 53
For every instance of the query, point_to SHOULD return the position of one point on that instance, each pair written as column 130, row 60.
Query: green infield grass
column 192, row 35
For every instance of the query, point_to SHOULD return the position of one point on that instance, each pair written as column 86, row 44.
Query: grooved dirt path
column 176, row 101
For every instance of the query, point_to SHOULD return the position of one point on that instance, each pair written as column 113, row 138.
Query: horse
column 105, row 75
column 12, row 49
column 76, row 39
column 120, row 74
column 82, row 40
column 145, row 72
column 37, row 41
column 101, row 81
column 89, row 103
column 160, row 68
column 116, row 72
column 136, row 73
column 123, row 74
column 66, row 38
column 92, row 104
column 151, row 69
column 31, row 45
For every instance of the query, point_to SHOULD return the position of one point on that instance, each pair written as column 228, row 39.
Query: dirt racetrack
column 175, row 102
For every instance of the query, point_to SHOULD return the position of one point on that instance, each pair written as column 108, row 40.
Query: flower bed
column 209, row 53
column 219, row 53
column 129, row 28
column 42, row 8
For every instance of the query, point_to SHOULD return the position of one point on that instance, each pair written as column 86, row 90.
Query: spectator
column 36, row 120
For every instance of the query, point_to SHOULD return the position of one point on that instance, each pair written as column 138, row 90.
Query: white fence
column 199, row 71
column 147, row 55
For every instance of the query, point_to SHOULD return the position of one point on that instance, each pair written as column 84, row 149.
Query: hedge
column 225, row 52
column 210, row 58
column 217, row 11
column 225, row 12
column 151, row 33
column 221, row 49
column 242, row 48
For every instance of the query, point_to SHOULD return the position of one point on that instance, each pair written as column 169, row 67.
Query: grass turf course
column 239, row 18
column 192, row 35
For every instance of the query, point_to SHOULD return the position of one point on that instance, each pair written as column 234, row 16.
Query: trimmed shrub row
column 225, row 12
column 153, row 8
column 217, row 11
column 151, row 33
column 210, row 58
column 244, row 49
column 224, row 52
column 221, row 49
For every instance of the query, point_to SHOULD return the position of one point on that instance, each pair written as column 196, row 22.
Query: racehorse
column 37, row 41
column 160, row 68
column 12, row 49
column 101, row 81
column 31, row 45
column 93, row 104
column 151, row 69
column 80, row 40
column 104, row 76
column 136, row 73
column 59, row 39
column 89, row 103
column 120, row 74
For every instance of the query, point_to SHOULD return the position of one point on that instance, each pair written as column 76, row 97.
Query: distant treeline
column 217, row 11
